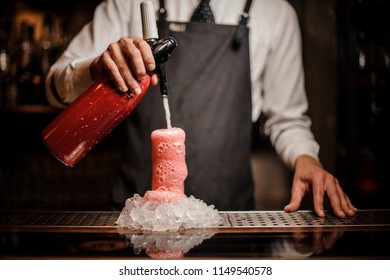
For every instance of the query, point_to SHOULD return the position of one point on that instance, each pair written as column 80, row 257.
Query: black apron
column 210, row 99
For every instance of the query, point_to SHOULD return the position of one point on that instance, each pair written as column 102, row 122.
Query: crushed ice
column 186, row 213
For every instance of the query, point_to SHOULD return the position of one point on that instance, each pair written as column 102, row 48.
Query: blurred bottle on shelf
column 51, row 42
column 24, row 65
column 28, row 70
column 366, row 180
column 8, row 91
column 38, row 37
column 372, row 97
column 367, row 177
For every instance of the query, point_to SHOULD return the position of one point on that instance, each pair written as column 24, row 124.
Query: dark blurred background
column 347, row 62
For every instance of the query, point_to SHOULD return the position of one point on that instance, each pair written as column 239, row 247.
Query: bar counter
column 241, row 235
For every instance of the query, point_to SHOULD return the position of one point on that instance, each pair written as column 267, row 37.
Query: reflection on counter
column 175, row 245
column 166, row 245
column 287, row 245
column 303, row 245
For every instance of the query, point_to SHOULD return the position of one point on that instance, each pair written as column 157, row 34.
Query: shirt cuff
column 81, row 74
column 294, row 143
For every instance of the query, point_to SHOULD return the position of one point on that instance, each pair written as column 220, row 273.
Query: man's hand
column 126, row 62
column 309, row 175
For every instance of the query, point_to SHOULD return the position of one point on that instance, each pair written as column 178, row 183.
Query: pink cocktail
column 169, row 166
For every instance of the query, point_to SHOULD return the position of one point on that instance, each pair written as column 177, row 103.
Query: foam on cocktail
column 169, row 166
column 166, row 207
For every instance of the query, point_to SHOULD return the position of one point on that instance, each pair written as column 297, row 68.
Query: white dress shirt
column 275, row 53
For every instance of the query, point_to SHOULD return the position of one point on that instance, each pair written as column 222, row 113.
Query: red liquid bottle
column 88, row 119
column 101, row 108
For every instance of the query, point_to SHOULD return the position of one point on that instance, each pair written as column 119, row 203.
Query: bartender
column 235, row 60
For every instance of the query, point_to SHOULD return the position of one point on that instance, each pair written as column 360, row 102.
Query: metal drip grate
column 79, row 219
column 251, row 220
column 281, row 219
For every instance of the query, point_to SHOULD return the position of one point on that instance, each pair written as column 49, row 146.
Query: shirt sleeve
column 69, row 76
column 285, row 102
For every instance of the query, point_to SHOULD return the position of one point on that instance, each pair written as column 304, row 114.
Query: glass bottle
column 28, row 71
column 5, row 60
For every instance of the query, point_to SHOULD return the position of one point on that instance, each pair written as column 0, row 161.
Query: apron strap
column 242, row 30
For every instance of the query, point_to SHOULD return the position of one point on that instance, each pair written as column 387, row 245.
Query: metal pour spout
column 162, row 48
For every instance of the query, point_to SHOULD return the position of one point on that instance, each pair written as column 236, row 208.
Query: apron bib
column 210, row 99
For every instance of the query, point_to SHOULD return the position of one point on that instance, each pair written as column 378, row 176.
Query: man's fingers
column 346, row 204
column 297, row 193
column 146, row 53
column 113, row 71
column 335, row 197
column 318, row 195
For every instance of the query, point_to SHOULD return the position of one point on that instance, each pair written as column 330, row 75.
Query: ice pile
column 165, row 207
column 149, row 215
